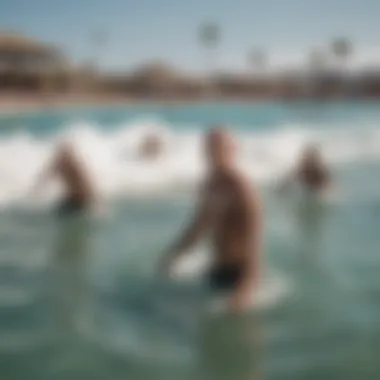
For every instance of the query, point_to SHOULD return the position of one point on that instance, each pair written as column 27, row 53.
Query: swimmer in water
column 229, row 213
column 80, row 194
column 151, row 148
column 312, row 173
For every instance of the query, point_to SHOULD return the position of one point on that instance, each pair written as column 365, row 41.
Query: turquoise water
column 78, row 299
column 242, row 116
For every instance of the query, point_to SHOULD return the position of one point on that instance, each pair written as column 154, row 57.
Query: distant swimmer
column 229, row 213
column 151, row 147
column 80, row 194
column 312, row 173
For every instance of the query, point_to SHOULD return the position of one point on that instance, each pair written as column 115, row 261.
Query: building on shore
column 28, row 65
column 154, row 80
column 243, row 86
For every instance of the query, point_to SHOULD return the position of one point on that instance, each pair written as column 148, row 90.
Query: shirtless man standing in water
column 229, row 213
column 80, row 194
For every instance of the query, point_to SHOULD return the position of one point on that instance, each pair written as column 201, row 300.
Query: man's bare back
column 74, row 178
column 311, row 173
column 79, row 194
column 228, row 212
column 314, row 177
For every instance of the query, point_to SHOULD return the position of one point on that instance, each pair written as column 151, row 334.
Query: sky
column 166, row 30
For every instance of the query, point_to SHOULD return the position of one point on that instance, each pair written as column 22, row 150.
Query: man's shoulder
column 245, row 188
column 234, row 179
column 240, row 180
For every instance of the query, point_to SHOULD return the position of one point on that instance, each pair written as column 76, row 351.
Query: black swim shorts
column 225, row 278
column 70, row 206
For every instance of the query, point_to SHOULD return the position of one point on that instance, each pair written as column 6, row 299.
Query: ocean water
column 79, row 299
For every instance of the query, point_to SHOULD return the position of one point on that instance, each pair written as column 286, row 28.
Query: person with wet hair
column 79, row 193
column 151, row 147
column 311, row 172
column 228, row 212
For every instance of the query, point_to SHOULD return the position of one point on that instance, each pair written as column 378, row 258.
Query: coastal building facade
column 29, row 65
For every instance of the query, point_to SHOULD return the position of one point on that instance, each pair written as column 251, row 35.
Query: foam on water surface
column 111, row 157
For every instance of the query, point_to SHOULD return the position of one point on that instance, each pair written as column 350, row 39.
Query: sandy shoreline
column 19, row 104
column 13, row 105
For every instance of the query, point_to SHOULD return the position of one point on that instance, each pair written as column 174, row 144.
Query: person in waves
column 80, row 194
column 311, row 173
column 151, row 147
column 229, row 214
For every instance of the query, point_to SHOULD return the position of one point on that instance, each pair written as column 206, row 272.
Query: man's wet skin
column 228, row 212
column 79, row 194
column 151, row 148
column 312, row 173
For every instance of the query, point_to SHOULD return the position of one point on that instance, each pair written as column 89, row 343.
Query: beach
column 30, row 103
column 16, row 104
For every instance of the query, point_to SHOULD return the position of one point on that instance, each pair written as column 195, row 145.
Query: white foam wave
column 111, row 158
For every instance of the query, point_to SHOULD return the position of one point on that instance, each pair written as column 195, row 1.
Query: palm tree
column 209, row 38
column 257, row 59
column 317, row 60
column 317, row 63
column 342, row 50
column 98, row 41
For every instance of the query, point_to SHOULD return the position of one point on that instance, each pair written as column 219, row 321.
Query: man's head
column 64, row 148
column 151, row 147
column 220, row 148
column 311, row 155
column 65, row 151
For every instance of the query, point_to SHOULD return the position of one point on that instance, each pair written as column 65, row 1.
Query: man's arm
column 241, row 298
column 44, row 176
column 202, row 219
column 329, row 189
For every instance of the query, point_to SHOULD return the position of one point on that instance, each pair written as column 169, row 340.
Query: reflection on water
column 70, row 292
column 310, row 217
column 230, row 348
column 151, row 330
column 313, row 264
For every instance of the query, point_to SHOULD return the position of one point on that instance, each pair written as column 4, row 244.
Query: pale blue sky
column 143, row 30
